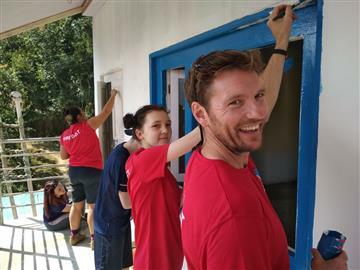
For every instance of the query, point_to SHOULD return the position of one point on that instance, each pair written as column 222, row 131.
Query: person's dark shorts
column 85, row 183
column 113, row 252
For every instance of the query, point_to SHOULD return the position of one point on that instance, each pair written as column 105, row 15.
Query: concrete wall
column 125, row 33
column 337, row 196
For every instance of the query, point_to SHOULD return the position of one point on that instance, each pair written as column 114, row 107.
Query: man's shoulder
column 202, row 166
column 202, row 174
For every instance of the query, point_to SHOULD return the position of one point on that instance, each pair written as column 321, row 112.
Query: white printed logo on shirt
column 128, row 173
column 71, row 136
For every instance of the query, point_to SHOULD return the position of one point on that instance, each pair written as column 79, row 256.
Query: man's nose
column 256, row 111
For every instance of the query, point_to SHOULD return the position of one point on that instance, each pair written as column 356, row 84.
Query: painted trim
column 251, row 32
column 213, row 33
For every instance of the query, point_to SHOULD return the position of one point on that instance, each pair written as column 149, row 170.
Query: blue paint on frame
column 248, row 33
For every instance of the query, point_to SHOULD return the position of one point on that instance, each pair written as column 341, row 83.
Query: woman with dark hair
column 154, row 194
column 56, row 206
column 80, row 144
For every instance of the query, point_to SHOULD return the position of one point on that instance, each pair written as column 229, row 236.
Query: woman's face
column 59, row 190
column 156, row 129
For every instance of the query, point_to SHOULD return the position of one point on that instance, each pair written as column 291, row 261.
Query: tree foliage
column 51, row 67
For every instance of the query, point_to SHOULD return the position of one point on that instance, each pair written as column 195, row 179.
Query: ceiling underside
column 17, row 16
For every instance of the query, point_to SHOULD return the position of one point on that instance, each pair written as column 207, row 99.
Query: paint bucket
column 331, row 244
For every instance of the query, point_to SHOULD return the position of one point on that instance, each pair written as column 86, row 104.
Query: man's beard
column 231, row 141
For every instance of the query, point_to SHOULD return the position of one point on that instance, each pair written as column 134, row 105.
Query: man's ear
column 200, row 113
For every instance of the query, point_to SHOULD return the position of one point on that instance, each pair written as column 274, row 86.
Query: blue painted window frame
column 247, row 33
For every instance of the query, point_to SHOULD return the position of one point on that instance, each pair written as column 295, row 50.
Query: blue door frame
column 248, row 33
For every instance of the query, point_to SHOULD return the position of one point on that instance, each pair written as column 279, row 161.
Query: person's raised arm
column 99, row 119
column 273, row 72
column 184, row 144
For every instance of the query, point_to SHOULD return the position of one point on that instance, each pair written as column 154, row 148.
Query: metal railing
column 8, row 180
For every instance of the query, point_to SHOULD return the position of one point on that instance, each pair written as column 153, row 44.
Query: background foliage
column 51, row 67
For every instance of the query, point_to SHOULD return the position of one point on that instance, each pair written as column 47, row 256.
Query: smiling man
column 228, row 220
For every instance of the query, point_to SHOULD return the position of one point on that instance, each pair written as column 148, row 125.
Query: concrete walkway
column 26, row 244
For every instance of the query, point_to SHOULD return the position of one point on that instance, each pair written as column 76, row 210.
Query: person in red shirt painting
column 228, row 221
column 80, row 144
column 154, row 194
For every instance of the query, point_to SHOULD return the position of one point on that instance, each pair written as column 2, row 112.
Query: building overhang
column 20, row 16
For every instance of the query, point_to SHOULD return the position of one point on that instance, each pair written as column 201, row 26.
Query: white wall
column 125, row 33
column 337, row 196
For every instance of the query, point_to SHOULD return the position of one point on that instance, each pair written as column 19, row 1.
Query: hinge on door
column 169, row 89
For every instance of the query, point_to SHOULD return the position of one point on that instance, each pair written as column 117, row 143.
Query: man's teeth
column 250, row 128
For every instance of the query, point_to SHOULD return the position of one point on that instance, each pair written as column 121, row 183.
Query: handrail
column 34, row 167
column 40, row 140
column 29, row 154
column 9, row 125
column 20, row 205
column 67, row 184
column 34, row 179
column 20, row 193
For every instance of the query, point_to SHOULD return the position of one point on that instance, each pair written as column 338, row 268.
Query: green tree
column 52, row 67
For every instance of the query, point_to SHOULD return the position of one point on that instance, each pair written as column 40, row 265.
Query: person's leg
column 91, row 185
column 75, row 219
column 75, row 215
column 127, row 249
column 90, row 218
column 102, row 250
column 78, row 196
column 61, row 223
column 115, row 259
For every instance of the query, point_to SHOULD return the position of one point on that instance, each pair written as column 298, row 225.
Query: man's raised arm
column 273, row 72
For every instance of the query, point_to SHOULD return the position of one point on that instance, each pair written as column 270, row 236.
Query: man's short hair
column 206, row 68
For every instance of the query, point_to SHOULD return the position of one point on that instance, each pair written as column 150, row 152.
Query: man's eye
column 260, row 95
column 236, row 102
column 156, row 126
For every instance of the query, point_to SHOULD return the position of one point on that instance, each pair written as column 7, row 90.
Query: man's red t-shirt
column 228, row 221
column 155, row 199
column 82, row 144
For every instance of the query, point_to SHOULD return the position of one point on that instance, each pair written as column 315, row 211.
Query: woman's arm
column 66, row 208
column 184, row 144
column 63, row 154
column 125, row 199
column 99, row 119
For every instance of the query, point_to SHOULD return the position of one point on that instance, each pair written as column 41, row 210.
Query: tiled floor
column 27, row 244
